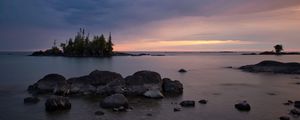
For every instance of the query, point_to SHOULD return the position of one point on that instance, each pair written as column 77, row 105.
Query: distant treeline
column 81, row 46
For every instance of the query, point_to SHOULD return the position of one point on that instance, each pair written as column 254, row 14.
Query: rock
column 57, row 103
column 99, row 113
column 297, row 104
column 31, row 100
column 62, row 89
column 295, row 112
column 115, row 101
column 187, row 103
column 273, row 67
column 142, row 81
column 172, row 87
column 81, row 85
column 289, row 102
column 202, row 101
column 284, row 118
column 113, row 87
column 103, row 77
column 156, row 94
column 182, row 70
column 243, row 106
column 176, row 109
column 47, row 84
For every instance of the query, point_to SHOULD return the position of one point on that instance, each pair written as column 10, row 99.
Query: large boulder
column 273, row 67
column 172, row 87
column 113, row 87
column 47, row 84
column 103, row 77
column 142, row 81
column 81, row 85
column 115, row 101
column 57, row 103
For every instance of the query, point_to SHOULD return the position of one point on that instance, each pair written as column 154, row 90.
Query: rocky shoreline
column 273, row 67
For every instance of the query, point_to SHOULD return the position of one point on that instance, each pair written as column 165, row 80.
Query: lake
column 207, row 78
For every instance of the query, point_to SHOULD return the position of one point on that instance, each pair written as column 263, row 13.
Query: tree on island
column 81, row 46
column 278, row 49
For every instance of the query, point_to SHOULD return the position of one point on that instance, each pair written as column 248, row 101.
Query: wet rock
column 273, row 67
column 103, row 77
column 289, row 102
column 115, row 101
column 113, row 87
column 297, row 104
column 243, row 106
column 202, row 101
column 57, row 103
column 156, row 94
column 187, row 103
column 172, row 87
column 284, row 118
column 62, row 89
column 177, row 109
column 31, row 100
column 99, row 113
column 142, row 81
column 47, row 84
column 295, row 112
column 182, row 70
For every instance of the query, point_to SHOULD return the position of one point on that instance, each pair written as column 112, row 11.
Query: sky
column 153, row 25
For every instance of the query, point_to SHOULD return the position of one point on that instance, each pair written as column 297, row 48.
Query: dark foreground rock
column 295, row 112
column 57, row 103
column 284, row 118
column 202, row 101
column 297, row 104
column 187, row 103
column 105, row 83
column 273, row 67
column 243, row 106
column 172, row 87
column 115, row 101
column 47, row 84
column 31, row 100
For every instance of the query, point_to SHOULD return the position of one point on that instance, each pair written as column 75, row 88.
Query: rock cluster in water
column 273, row 67
column 104, row 83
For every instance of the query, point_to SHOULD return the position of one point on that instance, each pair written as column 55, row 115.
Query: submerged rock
column 284, row 118
column 187, row 103
column 31, row 100
column 172, row 87
column 156, row 94
column 47, row 84
column 57, row 103
column 202, row 101
column 273, row 67
column 243, row 106
column 182, row 70
column 115, row 101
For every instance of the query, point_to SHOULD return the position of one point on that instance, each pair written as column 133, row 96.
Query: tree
column 278, row 49
column 109, row 46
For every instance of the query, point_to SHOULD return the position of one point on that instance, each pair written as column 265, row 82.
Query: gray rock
column 187, row 103
column 47, row 84
column 273, row 67
column 57, row 103
column 31, row 100
column 103, row 77
column 243, row 106
column 172, row 87
column 115, row 101
column 142, row 81
column 156, row 94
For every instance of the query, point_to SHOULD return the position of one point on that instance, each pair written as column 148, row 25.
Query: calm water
column 206, row 79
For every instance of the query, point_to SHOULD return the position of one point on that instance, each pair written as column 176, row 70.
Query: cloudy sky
column 153, row 25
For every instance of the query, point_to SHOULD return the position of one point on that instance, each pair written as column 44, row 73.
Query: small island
column 278, row 51
column 82, row 46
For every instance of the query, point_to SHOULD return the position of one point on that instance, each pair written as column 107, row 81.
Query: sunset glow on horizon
column 213, row 25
